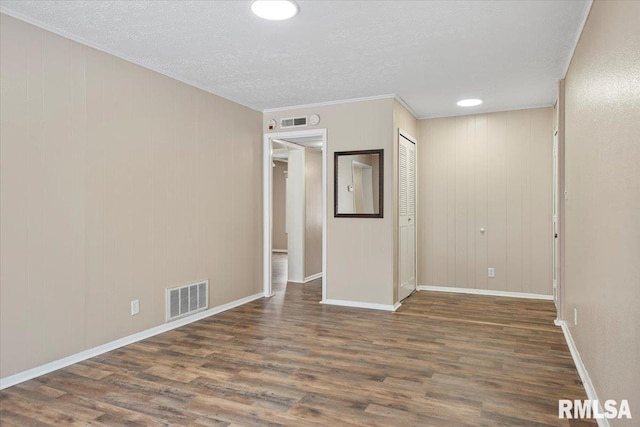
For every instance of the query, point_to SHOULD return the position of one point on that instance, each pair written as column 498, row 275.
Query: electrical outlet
column 135, row 307
column 491, row 272
column 575, row 316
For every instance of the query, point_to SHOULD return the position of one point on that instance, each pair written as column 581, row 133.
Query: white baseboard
column 356, row 304
column 281, row 251
column 484, row 292
column 313, row 277
column 307, row 279
column 582, row 370
column 96, row 351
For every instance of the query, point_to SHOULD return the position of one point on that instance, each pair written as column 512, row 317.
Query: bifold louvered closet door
column 406, row 216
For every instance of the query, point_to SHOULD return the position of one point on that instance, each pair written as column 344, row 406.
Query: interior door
column 406, row 216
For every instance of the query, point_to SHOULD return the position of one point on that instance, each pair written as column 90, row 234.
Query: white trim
column 484, row 292
column 267, row 189
column 582, row 370
column 470, row 113
column 327, row 103
column 407, row 136
column 405, row 105
column 23, row 376
column 576, row 38
column 367, row 305
column 307, row 279
column 313, row 277
column 112, row 52
column 267, row 185
column 280, row 251
column 325, row 190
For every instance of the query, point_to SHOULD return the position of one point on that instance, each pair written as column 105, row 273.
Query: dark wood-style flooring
column 441, row 360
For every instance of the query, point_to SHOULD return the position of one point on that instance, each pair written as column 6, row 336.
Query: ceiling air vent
column 293, row 122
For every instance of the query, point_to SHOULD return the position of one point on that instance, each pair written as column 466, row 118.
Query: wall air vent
column 293, row 122
column 187, row 299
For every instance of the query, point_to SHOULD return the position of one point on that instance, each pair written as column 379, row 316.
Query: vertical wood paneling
column 77, row 188
column 35, row 194
column 487, row 171
column 142, row 193
column 471, row 202
column 450, row 148
column 440, row 220
column 459, row 195
column 526, row 162
column 426, row 229
column 517, row 130
column 313, row 212
column 497, row 200
column 541, row 202
column 116, row 183
column 14, row 200
column 62, row 179
column 96, row 144
column 278, row 233
column 117, row 202
column 481, row 202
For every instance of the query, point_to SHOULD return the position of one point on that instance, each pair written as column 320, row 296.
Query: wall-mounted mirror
column 358, row 182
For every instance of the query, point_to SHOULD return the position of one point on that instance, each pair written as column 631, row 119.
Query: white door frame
column 267, row 197
column 407, row 135
column 556, row 218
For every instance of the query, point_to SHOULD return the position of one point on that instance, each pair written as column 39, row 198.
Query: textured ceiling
column 429, row 53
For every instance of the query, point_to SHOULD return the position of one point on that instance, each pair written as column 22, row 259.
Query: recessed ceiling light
column 469, row 102
column 274, row 10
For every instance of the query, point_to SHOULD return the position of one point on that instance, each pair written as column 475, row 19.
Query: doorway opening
column 294, row 211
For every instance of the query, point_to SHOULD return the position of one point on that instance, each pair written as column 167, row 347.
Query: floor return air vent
column 187, row 299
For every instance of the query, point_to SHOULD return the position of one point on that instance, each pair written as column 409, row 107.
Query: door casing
column 267, row 200
column 403, row 134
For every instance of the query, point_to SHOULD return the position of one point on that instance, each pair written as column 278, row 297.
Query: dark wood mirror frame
column 380, row 186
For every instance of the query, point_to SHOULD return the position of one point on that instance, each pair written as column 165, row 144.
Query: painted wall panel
column 116, row 183
column 313, row 212
column 480, row 201
column 279, row 235
column 360, row 262
column 490, row 171
column 602, row 211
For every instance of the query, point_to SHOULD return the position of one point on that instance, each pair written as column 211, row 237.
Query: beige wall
column 313, row 212
column 491, row 171
column 116, row 183
column 359, row 250
column 602, row 246
column 278, row 233
column 405, row 120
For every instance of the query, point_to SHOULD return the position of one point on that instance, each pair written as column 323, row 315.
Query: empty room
column 320, row 213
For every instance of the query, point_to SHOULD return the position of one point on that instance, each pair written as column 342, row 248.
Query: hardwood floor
column 441, row 360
